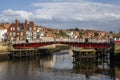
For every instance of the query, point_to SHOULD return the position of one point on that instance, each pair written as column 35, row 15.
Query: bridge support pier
column 88, row 61
column 102, row 56
column 26, row 53
column 84, row 61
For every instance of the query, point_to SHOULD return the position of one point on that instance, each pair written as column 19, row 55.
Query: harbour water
column 57, row 66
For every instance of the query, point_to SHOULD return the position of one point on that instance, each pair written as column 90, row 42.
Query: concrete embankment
column 117, row 52
column 4, row 53
column 117, row 48
column 4, row 56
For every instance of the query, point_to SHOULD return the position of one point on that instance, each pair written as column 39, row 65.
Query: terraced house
column 22, row 31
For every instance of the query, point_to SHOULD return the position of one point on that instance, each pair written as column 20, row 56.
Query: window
column 22, row 34
column 13, row 28
column 14, row 33
column 29, row 35
column 34, row 28
column 18, row 28
column 38, row 30
column 18, row 34
column 10, row 33
column 30, row 28
column 35, row 33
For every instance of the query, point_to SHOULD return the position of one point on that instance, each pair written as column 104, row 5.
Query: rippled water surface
column 58, row 66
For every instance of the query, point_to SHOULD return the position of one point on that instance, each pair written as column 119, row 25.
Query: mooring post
column 96, row 57
column 36, row 52
column 20, row 55
column 13, row 52
column 112, row 47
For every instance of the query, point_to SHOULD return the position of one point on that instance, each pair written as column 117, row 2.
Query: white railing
column 62, row 40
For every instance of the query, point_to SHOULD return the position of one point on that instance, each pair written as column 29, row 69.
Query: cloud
column 65, row 0
column 76, row 11
column 70, row 13
column 84, row 13
column 11, row 15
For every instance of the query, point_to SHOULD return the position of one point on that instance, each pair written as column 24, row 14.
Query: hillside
column 75, row 33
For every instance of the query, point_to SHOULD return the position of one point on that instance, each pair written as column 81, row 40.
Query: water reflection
column 90, row 65
column 57, row 66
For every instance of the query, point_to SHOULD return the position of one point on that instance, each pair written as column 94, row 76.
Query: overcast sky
column 63, row 14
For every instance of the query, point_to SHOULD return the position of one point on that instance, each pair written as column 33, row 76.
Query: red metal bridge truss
column 76, row 44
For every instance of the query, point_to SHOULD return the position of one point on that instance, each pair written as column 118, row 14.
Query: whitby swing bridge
column 29, row 48
column 83, row 43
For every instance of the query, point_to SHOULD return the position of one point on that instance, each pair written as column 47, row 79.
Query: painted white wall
column 3, row 34
column 116, row 38
column 70, row 34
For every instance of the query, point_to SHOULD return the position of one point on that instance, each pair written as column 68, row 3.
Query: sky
column 64, row 14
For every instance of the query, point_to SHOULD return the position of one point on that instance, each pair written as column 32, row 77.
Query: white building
column 40, row 32
column 3, row 34
column 70, row 34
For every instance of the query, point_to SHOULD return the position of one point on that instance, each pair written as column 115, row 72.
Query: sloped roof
column 117, row 35
column 6, row 26
column 2, row 27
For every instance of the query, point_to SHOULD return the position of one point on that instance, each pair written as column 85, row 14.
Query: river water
column 57, row 66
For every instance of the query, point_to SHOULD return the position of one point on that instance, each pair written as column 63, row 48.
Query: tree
column 96, row 34
column 81, row 34
column 76, row 29
column 62, row 33
column 111, row 32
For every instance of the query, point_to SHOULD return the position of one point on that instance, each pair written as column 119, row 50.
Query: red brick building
column 22, row 31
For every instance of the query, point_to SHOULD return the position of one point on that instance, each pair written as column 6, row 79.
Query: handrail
column 63, row 40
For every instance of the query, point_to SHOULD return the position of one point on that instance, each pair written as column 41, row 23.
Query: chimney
column 16, row 21
column 31, row 22
column 25, row 22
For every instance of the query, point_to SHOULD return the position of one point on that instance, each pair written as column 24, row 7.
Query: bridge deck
column 76, row 44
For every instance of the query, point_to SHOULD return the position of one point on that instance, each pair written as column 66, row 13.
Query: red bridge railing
column 77, row 44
